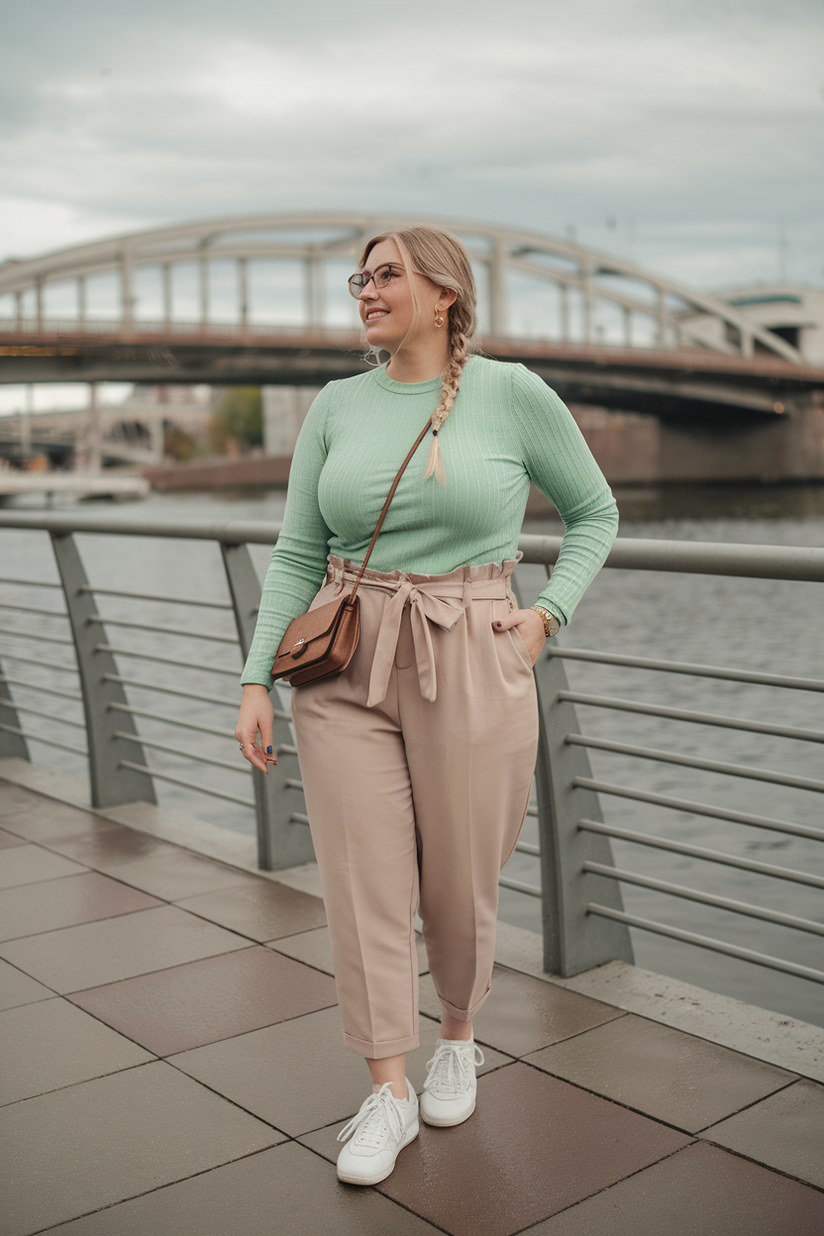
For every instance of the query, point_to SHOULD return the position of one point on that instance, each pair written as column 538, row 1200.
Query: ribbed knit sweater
column 506, row 428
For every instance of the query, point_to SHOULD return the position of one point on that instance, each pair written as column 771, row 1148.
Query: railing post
column 11, row 744
column 282, row 841
column 110, row 783
column 573, row 940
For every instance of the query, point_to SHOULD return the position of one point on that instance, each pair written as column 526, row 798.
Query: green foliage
column 238, row 421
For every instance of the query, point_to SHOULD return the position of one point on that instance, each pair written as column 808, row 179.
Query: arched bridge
column 263, row 299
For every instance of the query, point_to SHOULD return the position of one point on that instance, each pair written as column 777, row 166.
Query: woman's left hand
column 530, row 627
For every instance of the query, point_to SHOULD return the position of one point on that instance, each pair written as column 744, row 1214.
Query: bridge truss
column 250, row 274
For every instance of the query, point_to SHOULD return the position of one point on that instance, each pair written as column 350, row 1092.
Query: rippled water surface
column 761, row 625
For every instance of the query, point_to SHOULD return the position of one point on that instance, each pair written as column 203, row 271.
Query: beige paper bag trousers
column 417, row 763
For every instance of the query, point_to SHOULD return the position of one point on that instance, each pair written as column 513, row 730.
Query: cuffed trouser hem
column 381, row 1051
column 463, row 1014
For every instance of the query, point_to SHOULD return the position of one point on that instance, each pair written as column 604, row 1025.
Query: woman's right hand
column 256, row 717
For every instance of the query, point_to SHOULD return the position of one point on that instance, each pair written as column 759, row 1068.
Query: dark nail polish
column 268, row 750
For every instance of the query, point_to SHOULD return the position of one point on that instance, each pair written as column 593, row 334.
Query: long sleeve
column 298, row 564
column 561, row 465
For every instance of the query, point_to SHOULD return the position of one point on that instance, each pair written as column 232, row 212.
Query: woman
column 417, row 761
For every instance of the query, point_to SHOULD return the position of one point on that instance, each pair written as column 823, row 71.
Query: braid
column 451, row 380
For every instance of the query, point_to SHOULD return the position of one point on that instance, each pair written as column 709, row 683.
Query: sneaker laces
column 379, row 1118
column 452, row 1068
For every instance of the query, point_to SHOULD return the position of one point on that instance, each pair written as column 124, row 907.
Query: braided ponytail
column 442, row 258
column 451, row 380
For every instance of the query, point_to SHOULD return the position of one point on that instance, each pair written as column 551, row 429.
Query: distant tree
column 238, row 420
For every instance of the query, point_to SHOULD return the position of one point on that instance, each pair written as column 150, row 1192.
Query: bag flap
column 312, row 625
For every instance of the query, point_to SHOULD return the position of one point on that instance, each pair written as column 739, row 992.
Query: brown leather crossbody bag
column 322, row 641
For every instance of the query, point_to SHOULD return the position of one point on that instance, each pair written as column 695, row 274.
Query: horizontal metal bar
column 688, row 761
column 291, row 783
column 152, row 656
column 178, row 721
column 33, row 686
column 628, row 553
column 686, row 667
column 147, row 596
column 34, row 609
column 298, row 817
column 517, row 886
column 707, row 899
column 699, row 851
column 287, row 748
column 36, row 712
column 46, row 639
column 283, row 716
column 693, row 808
column 717, row 946
column 54, row 665
column 47, row 742
column 161, row 630
column 686, row 714
column 31, row 583
column 695, row 557
column 189, row 785
column 244, row 770
column 188, row 695
column 532, row 811
column 526, row 847
column 234, row 532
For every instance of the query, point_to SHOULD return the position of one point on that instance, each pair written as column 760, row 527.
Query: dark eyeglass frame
column 381, row 278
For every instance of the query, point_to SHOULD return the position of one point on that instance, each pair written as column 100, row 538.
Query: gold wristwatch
column 551, row 624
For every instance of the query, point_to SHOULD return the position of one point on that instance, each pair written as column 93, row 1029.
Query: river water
column 752, row 624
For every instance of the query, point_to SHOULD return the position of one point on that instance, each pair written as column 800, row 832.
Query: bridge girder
column 314, row 238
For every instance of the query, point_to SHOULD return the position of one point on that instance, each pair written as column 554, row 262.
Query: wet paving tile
column 16, row 798
column 17, row 988
column 7, row 840
column 178, row 875
column 188, row 1006
column 104, row 952
column 27, row 864
column 31, row 908
column 700, row 1191
column 287, row 1190
column 522, row 1014
column 111, row 846
column 785, row 1131
column 52, row 1044
column 534, row 1146
column 311, row 1080
column 45, row 818
column 88, row 1146
column 263, row 909
column 672, row 1076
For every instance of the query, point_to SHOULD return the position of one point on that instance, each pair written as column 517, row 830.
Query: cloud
column 697, row 126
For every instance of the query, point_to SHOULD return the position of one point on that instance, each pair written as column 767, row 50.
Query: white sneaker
column 380, row 1130
column 450, row 1087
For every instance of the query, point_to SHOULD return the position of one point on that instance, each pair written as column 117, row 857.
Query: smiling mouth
column 374, row 314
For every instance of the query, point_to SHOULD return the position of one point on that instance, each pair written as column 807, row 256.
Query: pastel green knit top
column 506, row 428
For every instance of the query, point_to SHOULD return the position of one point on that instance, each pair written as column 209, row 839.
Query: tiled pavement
column 172, row 1064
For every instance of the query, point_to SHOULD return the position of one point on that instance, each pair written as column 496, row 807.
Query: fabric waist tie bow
column 431, row 599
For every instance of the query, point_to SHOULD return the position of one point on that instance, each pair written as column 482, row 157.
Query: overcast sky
column 687, row 134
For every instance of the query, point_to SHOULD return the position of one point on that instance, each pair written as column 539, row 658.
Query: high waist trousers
column 417, row 762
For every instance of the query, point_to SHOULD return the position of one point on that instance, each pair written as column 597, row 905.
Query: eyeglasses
column 381, row 278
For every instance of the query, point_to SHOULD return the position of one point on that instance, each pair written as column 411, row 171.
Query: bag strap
column 401, row 471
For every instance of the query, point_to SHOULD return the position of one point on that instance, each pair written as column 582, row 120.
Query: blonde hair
column 443, row 259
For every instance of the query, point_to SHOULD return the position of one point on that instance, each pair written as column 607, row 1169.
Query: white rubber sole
column 446, row 1122
column 373, row 1180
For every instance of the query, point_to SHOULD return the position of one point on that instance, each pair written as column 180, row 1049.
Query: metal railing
column 584, row 919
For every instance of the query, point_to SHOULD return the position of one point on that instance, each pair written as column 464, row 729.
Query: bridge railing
column 145, row 681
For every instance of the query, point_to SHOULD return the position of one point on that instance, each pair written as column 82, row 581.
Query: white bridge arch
column 576, row 294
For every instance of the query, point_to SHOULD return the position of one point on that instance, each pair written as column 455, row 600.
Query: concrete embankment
column 631, row 448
